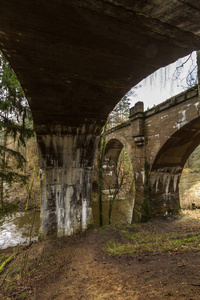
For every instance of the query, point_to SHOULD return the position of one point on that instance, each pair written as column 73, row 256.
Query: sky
column 165, row 82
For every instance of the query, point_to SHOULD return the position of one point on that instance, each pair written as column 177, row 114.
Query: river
column 15, row 228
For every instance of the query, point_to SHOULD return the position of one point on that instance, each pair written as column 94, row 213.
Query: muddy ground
column 79, row 268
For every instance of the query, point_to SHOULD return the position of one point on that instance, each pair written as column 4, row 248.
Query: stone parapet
column 175, row 100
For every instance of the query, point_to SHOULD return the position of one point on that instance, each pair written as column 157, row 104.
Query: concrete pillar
column 66, row 160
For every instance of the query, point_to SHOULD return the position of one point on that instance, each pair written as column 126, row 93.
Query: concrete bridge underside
column 75, row 59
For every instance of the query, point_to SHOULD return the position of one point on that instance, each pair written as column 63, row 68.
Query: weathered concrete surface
column 75, row 60
column 66, row 161
column 159, row 141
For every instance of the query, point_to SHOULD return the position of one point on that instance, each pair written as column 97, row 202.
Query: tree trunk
column 3, row 170
column 100, row 174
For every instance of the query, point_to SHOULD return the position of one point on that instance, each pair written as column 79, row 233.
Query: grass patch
column 135, row 239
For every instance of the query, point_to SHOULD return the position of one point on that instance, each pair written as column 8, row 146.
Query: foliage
column 120, row 113
column 15, row 128
column 190, row 79
column 123, row 174
column 123, row 185
column 14, row 109
column 19, row 196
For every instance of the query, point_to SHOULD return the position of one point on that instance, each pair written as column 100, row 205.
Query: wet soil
column 78, row 268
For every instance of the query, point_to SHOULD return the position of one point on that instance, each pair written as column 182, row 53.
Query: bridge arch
column 122, row 141
column 118, row 173
column 167, row 167
column 112, row 152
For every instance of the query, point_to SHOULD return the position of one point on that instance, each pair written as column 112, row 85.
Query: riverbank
column 84, row 267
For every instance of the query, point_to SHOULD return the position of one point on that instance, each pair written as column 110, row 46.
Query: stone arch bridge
column 158, row 141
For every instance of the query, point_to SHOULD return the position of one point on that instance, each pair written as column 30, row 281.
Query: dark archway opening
column 189, row 186
column 118, row 185
column 167, row 168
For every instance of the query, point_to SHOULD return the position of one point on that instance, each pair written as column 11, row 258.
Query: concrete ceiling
column 75, row 59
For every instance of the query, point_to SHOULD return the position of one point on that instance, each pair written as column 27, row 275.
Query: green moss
column 3, row 265
column 23, row 296
column 146, row 241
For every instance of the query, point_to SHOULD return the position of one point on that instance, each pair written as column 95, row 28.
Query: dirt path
column 91, row 274
column 78, row 268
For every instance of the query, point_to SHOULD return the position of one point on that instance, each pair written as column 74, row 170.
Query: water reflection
column 121, row 212
column 15, row 228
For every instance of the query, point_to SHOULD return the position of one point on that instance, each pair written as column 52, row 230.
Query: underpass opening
column 118, row 188
column 167, row 168
column 189, row 186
